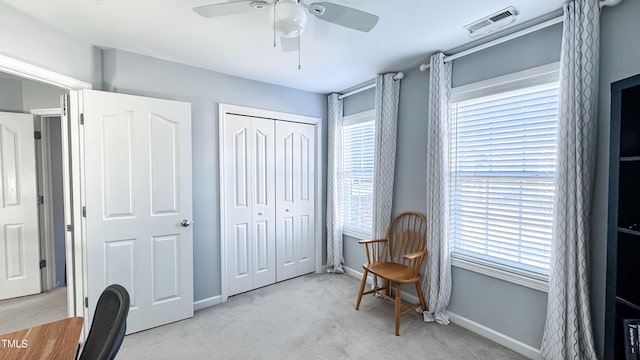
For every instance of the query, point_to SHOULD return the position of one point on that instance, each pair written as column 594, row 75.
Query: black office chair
column 109, row 325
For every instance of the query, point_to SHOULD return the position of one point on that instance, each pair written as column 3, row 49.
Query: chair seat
column 393, row 272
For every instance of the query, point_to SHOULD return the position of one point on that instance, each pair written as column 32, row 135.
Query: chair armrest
column 414, row 255
column 374, row 249
column 371, row 241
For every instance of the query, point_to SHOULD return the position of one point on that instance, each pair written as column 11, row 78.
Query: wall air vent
column 492, row 22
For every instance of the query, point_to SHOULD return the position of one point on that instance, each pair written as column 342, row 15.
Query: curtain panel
column 386, row 124
column 568, row 332
column 335, row 257
column 437, row 280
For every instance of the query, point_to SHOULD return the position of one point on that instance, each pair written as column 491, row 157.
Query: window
column 357, row 173
column 502, row 154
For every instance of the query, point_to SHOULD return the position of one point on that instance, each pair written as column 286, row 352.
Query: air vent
column 492, row 22
column 502, row 15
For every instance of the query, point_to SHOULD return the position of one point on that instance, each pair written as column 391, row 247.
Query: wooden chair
column 397, row 259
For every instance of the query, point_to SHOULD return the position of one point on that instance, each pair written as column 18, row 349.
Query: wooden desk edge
column 54, row 340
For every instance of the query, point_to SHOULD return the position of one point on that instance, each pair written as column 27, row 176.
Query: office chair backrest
column 108, row 326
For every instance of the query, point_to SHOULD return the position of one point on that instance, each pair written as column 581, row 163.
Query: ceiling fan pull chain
column 274, row 23
column 299, row 50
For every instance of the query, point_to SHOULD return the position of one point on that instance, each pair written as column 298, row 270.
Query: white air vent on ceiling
column 492, row 22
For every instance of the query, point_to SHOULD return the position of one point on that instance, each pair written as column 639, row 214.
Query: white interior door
column 295, row 199
column 19, row 240
column 137, row 168
column 249, row 209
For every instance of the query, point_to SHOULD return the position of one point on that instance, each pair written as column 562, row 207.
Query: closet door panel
column 239, row 228
column 264, row 205
column 285, row 200
column 304, row 188
column 295, row 208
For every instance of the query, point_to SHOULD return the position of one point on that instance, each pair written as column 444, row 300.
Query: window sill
column 479, row 266
column 356, row 234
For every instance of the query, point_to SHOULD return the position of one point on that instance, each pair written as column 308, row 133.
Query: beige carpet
column 310, row 317
column 28, row 311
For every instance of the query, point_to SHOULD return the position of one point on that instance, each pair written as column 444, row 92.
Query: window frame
column 540, row 75
column 357, row 118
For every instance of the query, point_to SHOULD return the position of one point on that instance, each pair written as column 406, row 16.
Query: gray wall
column 130, row 73
column 619, row 59
column 359, row 102
column 10, row 94
column 36, row 95
column 28, row 39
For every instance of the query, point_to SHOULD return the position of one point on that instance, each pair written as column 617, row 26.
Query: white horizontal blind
column 357, row 176
column 502, row 162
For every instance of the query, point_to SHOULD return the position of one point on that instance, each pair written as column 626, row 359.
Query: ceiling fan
column 290, row 16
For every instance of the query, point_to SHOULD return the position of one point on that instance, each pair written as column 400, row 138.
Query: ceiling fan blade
column 289, row 44
column 224, row 9
column 343, row 15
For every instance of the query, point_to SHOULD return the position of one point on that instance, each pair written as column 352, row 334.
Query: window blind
column 502, row 167
column 357, row 175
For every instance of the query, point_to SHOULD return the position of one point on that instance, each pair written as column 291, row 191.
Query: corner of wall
column 108, row 69
column 97, row 81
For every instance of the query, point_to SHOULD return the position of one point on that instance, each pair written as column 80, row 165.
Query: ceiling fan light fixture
column 290, row 19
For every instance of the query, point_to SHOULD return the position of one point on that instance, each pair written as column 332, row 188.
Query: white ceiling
column 333, row 57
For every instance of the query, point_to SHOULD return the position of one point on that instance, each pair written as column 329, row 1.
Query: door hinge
column 37, row 135
column 84, row 211
column 40, row 199
column 86, row 302
column 69, row 228
column 82, row 119
column 43, row 264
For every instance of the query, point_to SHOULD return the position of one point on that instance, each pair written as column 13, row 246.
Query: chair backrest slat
column 406, row 234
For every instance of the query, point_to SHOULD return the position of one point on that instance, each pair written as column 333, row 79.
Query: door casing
column 72, row 239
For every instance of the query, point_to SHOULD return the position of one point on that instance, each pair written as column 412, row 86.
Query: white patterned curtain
column 386, row 124
column 437, row 280
column 335, row 259
column 567, row 332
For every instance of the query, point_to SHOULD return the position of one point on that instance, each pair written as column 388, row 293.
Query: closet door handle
column 260, row 213
column 287, row 210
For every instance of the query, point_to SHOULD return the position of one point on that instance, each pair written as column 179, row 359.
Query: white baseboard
column 205, row 303
column 500, row 338
column 357, row 274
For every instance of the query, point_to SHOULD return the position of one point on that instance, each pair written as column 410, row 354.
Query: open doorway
column 47, row 126
column 48, row 301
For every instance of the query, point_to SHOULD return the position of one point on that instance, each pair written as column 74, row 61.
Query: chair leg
column 398, row 302
column 423, row 303
column 362, row 285
column 387, row 284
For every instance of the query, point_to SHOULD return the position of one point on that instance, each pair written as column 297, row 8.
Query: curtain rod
column 368, row 85
column 501, row 40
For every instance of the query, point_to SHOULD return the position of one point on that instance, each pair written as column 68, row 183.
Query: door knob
column 260, row 213
column 185, row 223
column 287, row 210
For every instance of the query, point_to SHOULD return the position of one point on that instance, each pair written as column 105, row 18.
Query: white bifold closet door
column 269, row 189
column 295, row 207
column 250, row 203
